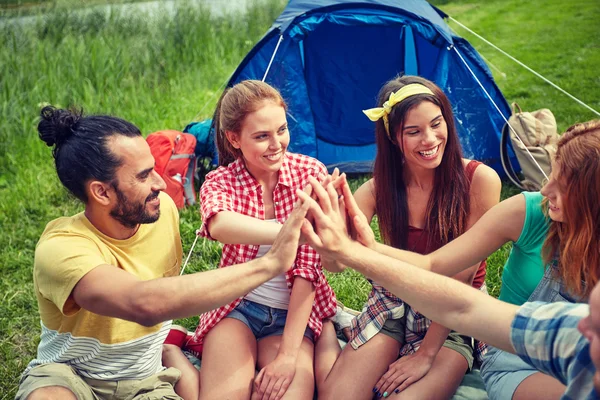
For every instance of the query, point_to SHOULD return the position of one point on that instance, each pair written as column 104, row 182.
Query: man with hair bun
column 106, row 279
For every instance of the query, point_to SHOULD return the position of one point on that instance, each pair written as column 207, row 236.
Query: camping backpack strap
column 188, row 180
column 505, row 159
column 533, row 136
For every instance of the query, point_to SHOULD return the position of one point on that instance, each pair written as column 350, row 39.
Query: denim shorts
column 503, row 372
column 263, row 321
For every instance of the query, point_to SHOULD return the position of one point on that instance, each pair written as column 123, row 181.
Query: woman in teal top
column 524, row 268
column 555, row 254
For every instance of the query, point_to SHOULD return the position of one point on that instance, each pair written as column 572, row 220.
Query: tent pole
column 272, row 57
column 526, row 67
column 497, row 108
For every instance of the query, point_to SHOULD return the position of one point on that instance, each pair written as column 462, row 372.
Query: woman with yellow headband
column 555, row 257
column 424, row 194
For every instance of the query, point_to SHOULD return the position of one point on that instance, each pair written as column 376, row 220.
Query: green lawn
column 162, row 78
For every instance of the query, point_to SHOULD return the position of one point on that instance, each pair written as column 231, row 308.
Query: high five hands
column 337, row 220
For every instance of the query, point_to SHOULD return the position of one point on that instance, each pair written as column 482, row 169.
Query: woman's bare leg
column 356, row 372
column 228, row 361
column 539, row 386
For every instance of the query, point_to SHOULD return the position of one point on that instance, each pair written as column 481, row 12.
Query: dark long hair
column 576, row 241
column 81, row 150
column 233, row 107
column 448, row 206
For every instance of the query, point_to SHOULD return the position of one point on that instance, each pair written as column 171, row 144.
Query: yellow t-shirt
column 96, row 346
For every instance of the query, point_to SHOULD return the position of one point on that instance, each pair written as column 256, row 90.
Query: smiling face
column 263, row 140
column 552, row 191
column 137, row 185
column 423, row 137
column 590, row 329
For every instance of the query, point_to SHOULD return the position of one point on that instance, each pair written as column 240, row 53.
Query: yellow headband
column 413, row 89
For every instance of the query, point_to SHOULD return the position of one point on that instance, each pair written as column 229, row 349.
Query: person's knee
column 169, row 350
column 52, row 393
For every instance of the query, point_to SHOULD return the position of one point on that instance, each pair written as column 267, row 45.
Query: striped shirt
column 96, row 346
column 545, row 336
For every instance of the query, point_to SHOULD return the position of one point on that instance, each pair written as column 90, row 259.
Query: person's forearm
column 300, row 307
column 434, row 340
column 437, row 334
column 230, row 227
column 333, row 266
column 446, row 301
column 416, row 259
column 193, row 294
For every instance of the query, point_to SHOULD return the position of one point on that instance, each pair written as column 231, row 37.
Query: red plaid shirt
column 232, row 188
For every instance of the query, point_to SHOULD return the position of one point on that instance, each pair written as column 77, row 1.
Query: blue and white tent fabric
column 329, row 58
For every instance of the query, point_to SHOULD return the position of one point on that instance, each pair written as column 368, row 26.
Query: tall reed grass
column 157, row 73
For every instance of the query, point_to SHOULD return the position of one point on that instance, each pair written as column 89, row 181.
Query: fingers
column 262, row 388
column 409, row 381
column 339, row 182
column 312, row 205
column 322, row 195
column 290, row 231
column 364, row 233
column 308, row 190
column 342, row 209
column 336, row 174
column 298, row 213
column 280, row 388
column 388, row 383
column 258, row 381
column 311, row 237
column 269, row 387
column 351, row 204
column 333, row 198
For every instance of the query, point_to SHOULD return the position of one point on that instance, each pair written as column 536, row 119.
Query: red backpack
column 173, row 153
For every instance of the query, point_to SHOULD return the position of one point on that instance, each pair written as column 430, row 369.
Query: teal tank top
column 524, row 268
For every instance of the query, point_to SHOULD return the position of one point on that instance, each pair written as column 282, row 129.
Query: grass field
column 161, row 75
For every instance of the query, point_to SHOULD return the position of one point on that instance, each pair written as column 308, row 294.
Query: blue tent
column 329, row 58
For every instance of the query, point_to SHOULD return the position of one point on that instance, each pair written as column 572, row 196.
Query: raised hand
column 329, row 235
column 359, row 227
column 283, row 251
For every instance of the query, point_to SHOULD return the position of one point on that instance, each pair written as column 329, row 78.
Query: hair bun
column 56, row 125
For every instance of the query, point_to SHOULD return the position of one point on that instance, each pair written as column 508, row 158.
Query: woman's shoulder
column 368, row 187
column 365, row 194
column 222, row 174
column 481, row 175
column 534, row 204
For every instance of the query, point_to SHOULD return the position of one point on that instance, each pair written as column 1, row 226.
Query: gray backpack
column 539, row 134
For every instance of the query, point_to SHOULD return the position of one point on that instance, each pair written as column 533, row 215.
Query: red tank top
column 418, row 239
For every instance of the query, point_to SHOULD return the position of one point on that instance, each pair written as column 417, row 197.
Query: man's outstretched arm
column 108, row 290
column 442, row 299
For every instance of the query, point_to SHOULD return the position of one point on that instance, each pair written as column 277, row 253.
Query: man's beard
column 131, row 214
